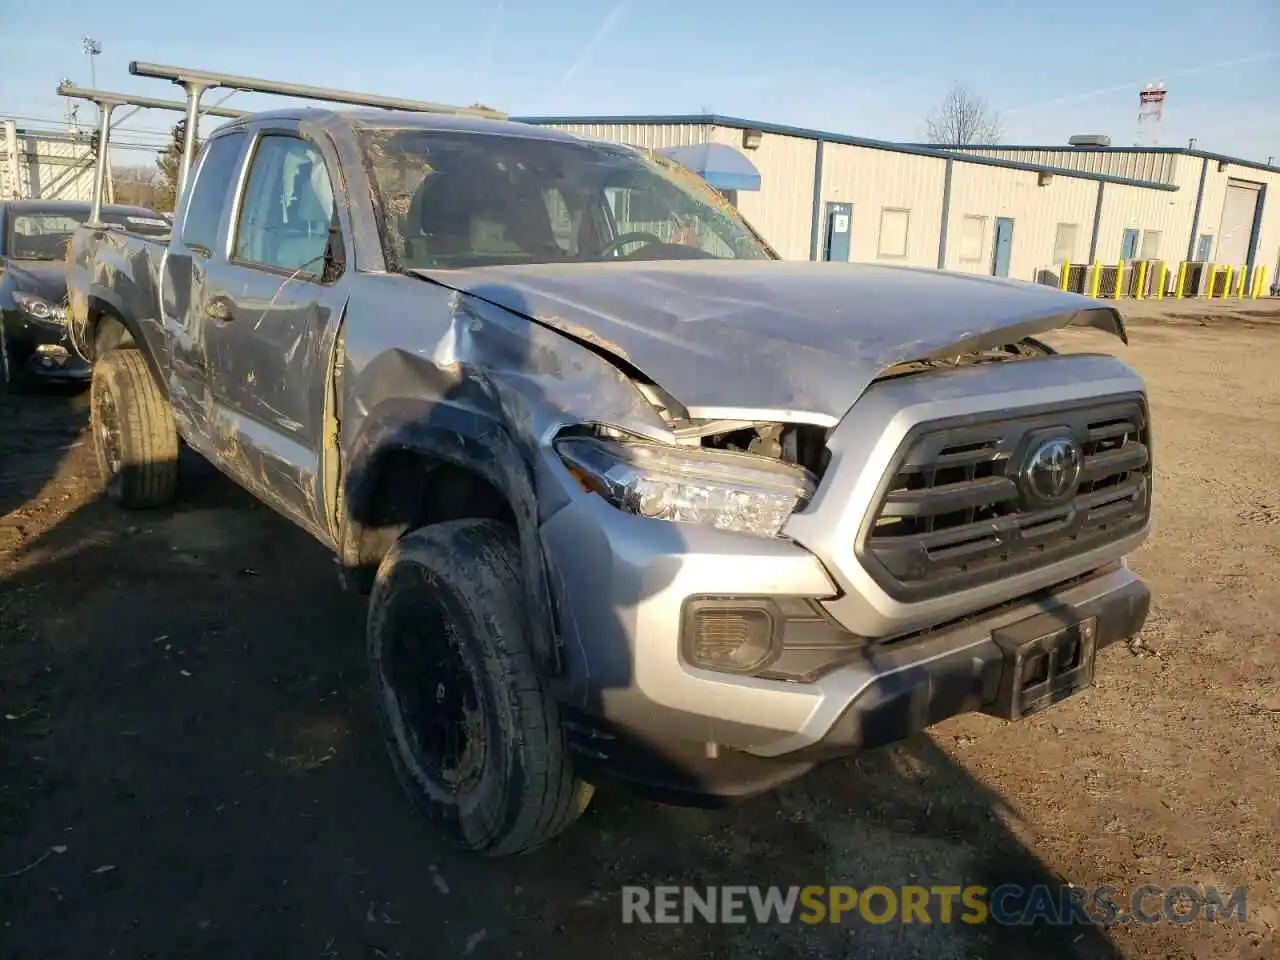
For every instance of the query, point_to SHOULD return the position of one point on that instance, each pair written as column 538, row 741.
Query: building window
column 894, row 224
column 973, row 239
column 1064, row 243
column 1150, row 245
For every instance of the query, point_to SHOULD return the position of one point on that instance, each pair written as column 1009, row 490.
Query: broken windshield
column 458, row 199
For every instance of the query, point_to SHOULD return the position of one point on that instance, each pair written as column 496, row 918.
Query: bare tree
column 139, row 186
column 964, row 117
column 169, row 162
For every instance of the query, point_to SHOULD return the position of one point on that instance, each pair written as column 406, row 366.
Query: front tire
column 472, row 732
column 134, row 437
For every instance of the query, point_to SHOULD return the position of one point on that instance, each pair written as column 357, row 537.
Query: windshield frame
column 678, row 176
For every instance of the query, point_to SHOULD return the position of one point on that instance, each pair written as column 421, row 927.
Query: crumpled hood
column 37, row 277
column 805, row 338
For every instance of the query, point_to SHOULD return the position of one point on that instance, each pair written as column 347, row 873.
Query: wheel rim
column 434, row 696
column 110, row 445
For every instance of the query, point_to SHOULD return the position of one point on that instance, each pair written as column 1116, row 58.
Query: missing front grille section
column 959, row 507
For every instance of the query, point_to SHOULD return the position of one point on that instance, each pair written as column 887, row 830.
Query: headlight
column 727, row 491
column 39, row 308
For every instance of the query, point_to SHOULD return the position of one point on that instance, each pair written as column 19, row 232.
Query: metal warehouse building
column 1005, row 210
column 51, row 166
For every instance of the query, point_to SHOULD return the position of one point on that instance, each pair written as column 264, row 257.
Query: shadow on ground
column 192, row 729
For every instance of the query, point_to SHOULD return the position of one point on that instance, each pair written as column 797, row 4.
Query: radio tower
column 1150, row 111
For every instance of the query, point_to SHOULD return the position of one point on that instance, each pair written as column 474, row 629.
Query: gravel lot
column 189, row 765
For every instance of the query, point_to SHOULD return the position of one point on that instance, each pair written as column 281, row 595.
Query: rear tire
column 472, row 732
column 134, row 437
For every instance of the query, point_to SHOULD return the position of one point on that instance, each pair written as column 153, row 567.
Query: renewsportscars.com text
column 1009, row 904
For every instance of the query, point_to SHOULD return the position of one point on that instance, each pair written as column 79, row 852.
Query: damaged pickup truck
column 632, row 496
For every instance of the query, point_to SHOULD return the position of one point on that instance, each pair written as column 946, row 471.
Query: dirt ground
column 189, row 763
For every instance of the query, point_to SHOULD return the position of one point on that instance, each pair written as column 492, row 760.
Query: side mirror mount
column 335, row 257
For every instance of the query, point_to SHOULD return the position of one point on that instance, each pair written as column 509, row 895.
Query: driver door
column 274, row 312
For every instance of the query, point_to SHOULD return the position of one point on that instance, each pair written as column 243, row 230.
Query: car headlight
column 40, row 308
column 728, row 491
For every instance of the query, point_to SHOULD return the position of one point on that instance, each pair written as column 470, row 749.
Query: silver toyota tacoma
column 633, row 496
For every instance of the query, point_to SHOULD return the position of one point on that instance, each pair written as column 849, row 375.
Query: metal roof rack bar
column 195, row 82
column 101, row 97
column 208, row 80
column 106, row 102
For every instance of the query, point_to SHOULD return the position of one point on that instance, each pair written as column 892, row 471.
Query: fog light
column 52, row 354
column 738, row 639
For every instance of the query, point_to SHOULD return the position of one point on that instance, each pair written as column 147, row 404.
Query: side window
column 213, row 181
column 563, row 225
column 287, row 207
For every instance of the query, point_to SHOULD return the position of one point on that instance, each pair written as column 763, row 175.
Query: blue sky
column 868, row 69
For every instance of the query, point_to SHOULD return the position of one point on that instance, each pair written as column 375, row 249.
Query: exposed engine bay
column 801, row 443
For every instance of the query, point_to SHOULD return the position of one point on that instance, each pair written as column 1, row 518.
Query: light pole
column 91, row 48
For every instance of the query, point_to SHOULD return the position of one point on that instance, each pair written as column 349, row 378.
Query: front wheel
column 134, row 437
column 472, row 732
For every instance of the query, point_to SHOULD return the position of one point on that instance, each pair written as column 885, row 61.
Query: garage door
column 1236, row 229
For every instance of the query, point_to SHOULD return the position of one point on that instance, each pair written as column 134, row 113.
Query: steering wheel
column 623, row 239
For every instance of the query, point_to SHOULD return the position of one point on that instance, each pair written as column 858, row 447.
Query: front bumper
column 924, row 681
column 40, row 348
column 620, row 583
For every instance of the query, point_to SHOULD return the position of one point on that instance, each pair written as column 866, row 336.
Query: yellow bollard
column 1242, row 292
column 1139, row 292
column 1226, row 287
column 1066, row 276
column 1161, row 279
column 1181, row 289
column 1260, row 285
column 1095, row 278
column 1213, row 277
column 1119, row 279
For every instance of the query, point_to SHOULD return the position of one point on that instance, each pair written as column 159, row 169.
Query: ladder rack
column 196, row 82
column 106, row 102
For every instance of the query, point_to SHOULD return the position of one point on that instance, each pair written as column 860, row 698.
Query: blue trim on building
column 946, row 216
column 1067, row 148
column 1257, row 227
column 1195, row 215
column 712, row 119
column 1097, row 224
column 815, row 227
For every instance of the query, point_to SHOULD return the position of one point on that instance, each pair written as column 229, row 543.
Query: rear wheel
column 134, row 436
column 472, row 732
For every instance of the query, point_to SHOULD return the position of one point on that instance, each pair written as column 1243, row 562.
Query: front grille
column 955, row 512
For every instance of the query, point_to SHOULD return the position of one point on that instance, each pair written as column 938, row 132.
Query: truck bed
column 116, row 272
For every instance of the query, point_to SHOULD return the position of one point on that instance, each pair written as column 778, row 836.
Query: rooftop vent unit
column 1090, row 140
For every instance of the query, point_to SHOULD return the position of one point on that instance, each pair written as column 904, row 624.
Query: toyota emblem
column 1053, row 470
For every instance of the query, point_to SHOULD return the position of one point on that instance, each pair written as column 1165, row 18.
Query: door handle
column 219, row 308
